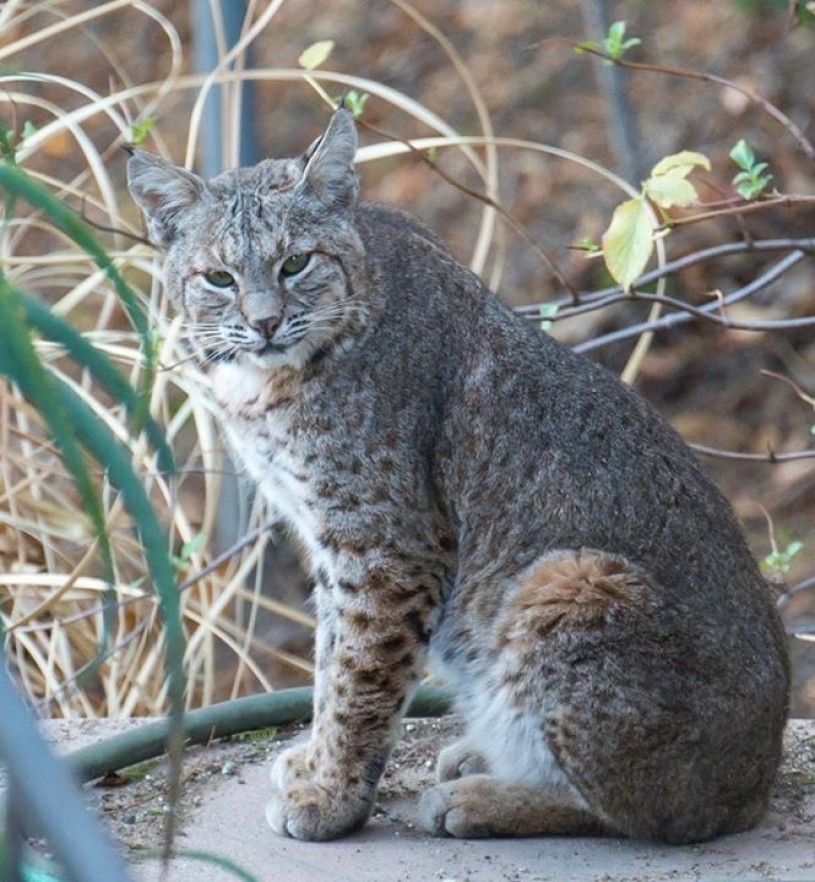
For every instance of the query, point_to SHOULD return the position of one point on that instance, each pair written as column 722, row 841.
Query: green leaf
column 29, row 129
column 188, row 549
column 781, row 559
column 315, row 55
column 100, row 442
column 588, row 245
column 628, row 242
column 75, row 427
column 547, row 311
column 617, row 31
column 354, row 101
column 742, row 154
column 225, row 864
column 20, row 363
column 667, row 185
column 750, row 187
column 8, row 143
column 140, row 130
column 615, row 43
column 193, row 546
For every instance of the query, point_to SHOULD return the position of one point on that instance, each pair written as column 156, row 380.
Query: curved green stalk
column 21, row 364
column 219, row 721
column 17, row 183
column 204, row 857
column 106, row 449
column 57, row 330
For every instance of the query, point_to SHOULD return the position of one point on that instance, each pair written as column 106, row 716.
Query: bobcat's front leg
column 371, row 642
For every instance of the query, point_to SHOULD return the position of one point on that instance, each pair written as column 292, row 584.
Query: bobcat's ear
column 329, row 178
column 163, row 191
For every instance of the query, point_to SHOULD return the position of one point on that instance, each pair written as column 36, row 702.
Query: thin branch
column 515, row 225
column 803, row 585
column 806, row 245
column 767, row 278
column 118, row 231
column 770, row 457
column 742, row 207
column 767, row 106
column 621, row 117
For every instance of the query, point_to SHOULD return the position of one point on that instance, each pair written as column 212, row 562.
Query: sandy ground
column 226, row 790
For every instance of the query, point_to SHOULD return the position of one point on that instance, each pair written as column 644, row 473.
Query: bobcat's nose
column 266, row 326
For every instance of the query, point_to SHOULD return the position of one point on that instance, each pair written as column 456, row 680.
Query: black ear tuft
column 163, row 191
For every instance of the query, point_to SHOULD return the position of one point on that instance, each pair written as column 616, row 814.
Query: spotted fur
column 470, row 493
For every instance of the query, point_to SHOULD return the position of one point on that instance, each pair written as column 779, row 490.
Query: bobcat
column 472, row 494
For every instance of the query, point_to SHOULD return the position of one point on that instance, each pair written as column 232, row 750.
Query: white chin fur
column 271, row 359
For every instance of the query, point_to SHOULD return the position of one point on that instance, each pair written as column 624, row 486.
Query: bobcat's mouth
column 218, row 357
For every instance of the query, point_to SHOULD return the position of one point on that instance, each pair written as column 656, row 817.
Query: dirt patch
column 133, row 802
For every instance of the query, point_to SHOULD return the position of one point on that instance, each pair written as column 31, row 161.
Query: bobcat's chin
column 271, row 355
column 307, row 351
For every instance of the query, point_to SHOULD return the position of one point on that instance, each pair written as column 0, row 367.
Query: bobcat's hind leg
column 460, row 759
column 480, row 806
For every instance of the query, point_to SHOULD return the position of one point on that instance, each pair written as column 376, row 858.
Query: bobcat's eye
column 219, row 278
column 294, row 264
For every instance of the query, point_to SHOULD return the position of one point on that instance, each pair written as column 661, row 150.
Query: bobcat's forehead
column 248, row 213
column 266, row 178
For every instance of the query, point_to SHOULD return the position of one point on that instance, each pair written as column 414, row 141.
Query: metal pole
column 206, row 57
column 234, row 503
column 622, row 123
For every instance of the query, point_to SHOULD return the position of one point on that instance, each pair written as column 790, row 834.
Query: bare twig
column 708, row 311
column 784, row 201
column 515, row 225
column 767, row 106
column 806, row 245
column 770, row 457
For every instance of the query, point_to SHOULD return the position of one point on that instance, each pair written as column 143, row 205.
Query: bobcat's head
column 264, row 263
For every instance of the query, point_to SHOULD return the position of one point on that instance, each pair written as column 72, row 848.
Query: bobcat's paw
column 306, row 811
column 453, row 809
column 459, row 760
column 293, row 764
column 311, row 806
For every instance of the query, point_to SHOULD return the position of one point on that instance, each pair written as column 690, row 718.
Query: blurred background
column 79, row 79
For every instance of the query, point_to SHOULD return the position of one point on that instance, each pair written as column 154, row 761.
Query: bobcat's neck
column 245, row 390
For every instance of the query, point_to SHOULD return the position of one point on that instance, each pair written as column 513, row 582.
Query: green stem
column 219, row 721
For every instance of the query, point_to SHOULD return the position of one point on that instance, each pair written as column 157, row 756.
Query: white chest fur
column 259, row 436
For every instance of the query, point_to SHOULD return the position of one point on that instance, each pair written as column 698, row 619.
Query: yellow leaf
column 628, row 242
column 667, row 185
column 315, row 55
column 671, row 188
column 685, row 159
